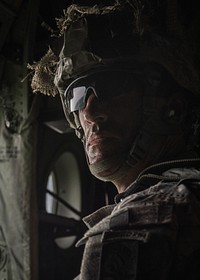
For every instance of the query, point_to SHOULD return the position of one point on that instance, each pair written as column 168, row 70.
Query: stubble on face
column 100, row 146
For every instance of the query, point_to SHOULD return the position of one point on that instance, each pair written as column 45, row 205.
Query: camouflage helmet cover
column 100, row 35
column 119, row 33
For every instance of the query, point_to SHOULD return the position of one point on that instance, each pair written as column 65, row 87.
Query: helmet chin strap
column 115, row 167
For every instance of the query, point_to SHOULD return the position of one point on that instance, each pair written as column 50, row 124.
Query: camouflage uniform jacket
column 153, row 230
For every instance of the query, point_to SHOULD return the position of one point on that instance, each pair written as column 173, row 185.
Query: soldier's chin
column 109, row 169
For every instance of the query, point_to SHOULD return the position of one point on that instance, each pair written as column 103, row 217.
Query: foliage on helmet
column 142, row 30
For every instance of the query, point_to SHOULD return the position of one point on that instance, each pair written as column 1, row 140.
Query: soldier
column 130, row 89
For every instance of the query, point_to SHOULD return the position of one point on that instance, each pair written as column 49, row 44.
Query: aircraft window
column 63, row 193
column 50, row 200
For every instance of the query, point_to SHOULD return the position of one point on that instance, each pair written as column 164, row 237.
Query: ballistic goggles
column 104, row 85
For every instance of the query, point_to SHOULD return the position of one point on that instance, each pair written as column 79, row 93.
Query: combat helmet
column 144, row 38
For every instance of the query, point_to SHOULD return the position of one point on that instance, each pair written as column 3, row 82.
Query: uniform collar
column 159, row 172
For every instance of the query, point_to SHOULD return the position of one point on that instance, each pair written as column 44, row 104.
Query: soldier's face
column 110, row 126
